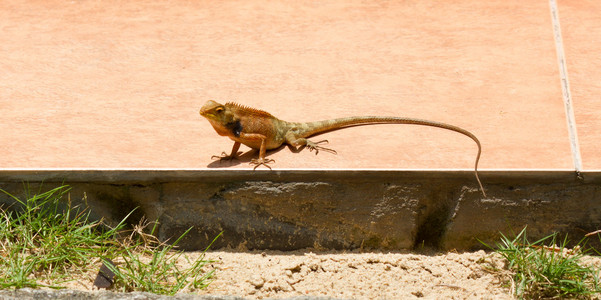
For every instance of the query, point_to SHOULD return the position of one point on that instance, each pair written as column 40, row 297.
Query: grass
column 543, row 269
column 46, row 242
column 152, row 266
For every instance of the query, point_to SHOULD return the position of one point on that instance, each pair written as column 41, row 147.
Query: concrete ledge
column 339, row 209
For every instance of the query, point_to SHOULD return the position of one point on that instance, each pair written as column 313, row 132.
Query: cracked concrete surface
column 338, row 210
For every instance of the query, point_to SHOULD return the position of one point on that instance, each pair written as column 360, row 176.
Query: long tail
column 313, row 128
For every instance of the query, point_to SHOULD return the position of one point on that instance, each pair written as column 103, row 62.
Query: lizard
column 262, row 131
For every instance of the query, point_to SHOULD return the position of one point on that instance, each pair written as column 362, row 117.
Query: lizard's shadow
column 246, row 157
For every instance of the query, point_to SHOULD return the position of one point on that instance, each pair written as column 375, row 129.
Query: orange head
column 218, row 115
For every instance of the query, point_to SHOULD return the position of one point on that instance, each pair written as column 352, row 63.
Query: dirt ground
column 350, row 275
column 345, row 275
column 353, row 275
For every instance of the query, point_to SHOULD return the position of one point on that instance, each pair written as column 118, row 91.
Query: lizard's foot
column 225, row 156
column 315, row 146
column 261, row 162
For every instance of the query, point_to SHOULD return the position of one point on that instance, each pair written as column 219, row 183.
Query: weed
column 44, row 243
column 544, row 270
column 39, row 241
column 152, row 266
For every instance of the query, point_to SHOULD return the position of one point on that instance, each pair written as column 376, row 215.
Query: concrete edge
column 333, row 209
column 167, row 175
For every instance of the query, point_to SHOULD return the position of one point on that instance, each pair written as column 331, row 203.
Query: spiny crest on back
column 248, row 110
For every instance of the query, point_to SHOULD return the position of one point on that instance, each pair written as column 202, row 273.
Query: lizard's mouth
column 207, row 115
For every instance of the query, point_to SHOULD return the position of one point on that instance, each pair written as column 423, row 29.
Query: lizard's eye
column 219, row 109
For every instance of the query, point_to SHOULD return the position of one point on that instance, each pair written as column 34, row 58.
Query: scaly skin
column 260, row 130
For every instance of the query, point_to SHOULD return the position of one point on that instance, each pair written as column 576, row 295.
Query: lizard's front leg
column 261, row 161
column 233, row 155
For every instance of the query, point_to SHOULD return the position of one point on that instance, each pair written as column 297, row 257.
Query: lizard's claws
column 225, row 156
column 315, row 146
column 261, row 162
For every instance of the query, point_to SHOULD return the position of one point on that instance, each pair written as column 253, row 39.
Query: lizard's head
column 212, row 110
column 216, row 113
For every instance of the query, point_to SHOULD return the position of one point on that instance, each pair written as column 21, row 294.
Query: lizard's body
column 260, row 130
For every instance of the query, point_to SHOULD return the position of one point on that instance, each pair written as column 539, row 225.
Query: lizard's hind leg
column 298, row 143
column 315, row 146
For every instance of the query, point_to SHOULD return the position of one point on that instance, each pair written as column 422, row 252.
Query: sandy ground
column 348, row 275
column 356, row 275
